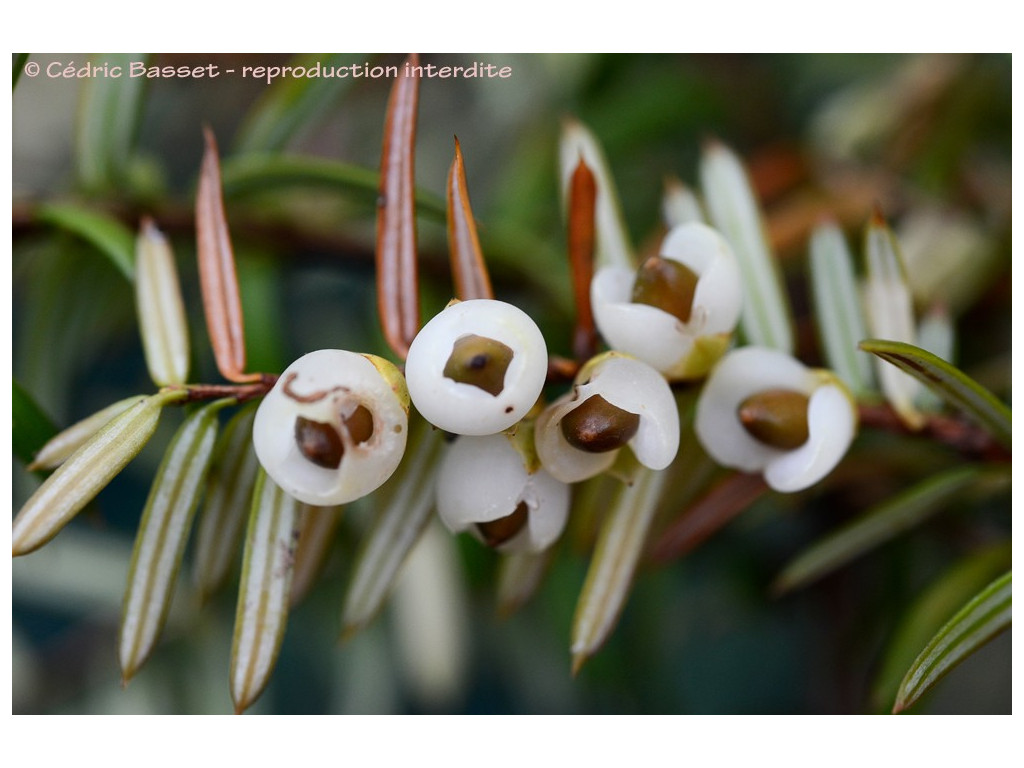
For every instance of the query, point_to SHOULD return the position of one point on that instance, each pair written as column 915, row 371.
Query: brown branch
column 963, row 436
column 241, row 392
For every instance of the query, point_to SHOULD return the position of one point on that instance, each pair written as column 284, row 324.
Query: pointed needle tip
column 209, row 137
column 578, row 660
column 18, row 548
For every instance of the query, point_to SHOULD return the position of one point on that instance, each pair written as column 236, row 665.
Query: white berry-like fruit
column 616, row 401
column 826, row 422
column 477, row 367
column 486, row 488
column 681, row 349
column 334, row 426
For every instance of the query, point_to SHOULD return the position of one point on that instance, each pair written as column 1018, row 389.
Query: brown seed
column 359, row 424
column 497, row 532
column 596, row 426
column 776, row 417
column 667, row 285
column 479, row 361
column 319, row 442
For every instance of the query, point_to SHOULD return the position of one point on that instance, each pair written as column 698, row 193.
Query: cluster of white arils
column 334, row 426
column 476, row 370
column 760, row 410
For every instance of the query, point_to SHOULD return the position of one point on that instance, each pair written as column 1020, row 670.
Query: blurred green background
column 919, row 136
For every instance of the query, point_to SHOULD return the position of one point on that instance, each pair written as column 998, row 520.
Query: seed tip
column 748, row 415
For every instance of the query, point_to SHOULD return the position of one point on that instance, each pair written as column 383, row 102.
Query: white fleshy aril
column 334, row 427
column 485, row 479
column 749, row 371
column 627, row 384
column 679, row 350
column 466, row 408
